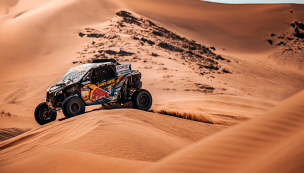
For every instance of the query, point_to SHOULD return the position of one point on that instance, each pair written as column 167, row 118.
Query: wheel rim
column 75, row 107
column 45, row 114
column 143, row 100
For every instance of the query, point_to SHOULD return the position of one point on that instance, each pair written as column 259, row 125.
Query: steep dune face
column 237, row 28
column 271, row 143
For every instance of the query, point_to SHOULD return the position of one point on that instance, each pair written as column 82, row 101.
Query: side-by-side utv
column 103, row 81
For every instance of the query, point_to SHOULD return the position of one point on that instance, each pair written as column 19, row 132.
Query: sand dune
column 131, row 136
column 271, row 143
column 224, row 63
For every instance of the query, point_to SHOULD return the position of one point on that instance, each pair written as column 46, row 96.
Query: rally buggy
column 103, row 81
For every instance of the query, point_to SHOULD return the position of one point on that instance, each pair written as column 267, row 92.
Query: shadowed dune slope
column 272, row 143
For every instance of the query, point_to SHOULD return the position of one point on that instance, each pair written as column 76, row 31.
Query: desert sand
column 238, row 70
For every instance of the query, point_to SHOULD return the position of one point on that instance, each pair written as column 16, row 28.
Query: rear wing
column 105, row 60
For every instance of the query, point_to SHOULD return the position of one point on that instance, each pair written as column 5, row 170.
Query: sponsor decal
column 122, row 67
column 110, row 81
column 85, row 93
column 118, row 78
column 106, row 83
column 102, row 84
column 100, row 94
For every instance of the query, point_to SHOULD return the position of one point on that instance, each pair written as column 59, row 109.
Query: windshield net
column 75, row 74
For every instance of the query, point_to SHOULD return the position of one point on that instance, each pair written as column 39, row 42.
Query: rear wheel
column 44, row 114
column 142, row 99
column 73, row 106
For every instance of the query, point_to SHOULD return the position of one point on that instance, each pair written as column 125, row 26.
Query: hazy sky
column 257, row 1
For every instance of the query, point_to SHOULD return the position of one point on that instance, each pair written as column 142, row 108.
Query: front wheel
column 73, row 106
column 44, row 114
column 142, row 99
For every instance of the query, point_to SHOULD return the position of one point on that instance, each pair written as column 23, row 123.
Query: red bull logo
column 99, row 94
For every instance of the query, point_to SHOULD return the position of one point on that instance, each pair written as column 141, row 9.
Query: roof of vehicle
column 88, row 66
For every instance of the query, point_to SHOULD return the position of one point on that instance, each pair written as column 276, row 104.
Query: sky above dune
column 257, row 1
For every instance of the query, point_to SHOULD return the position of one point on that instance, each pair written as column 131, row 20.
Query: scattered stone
column 270, row 41
column 147, row 41
column 219, row 57
column 81, row 34
column 226, row 71
column 281, row 43
column 154, row 54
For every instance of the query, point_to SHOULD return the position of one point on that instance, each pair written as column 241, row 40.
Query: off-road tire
column 142, row 99
column 73, row 106
column 41, row 114
column 137, row 84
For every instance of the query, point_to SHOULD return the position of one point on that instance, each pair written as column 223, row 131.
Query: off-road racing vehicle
column 103, row 81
